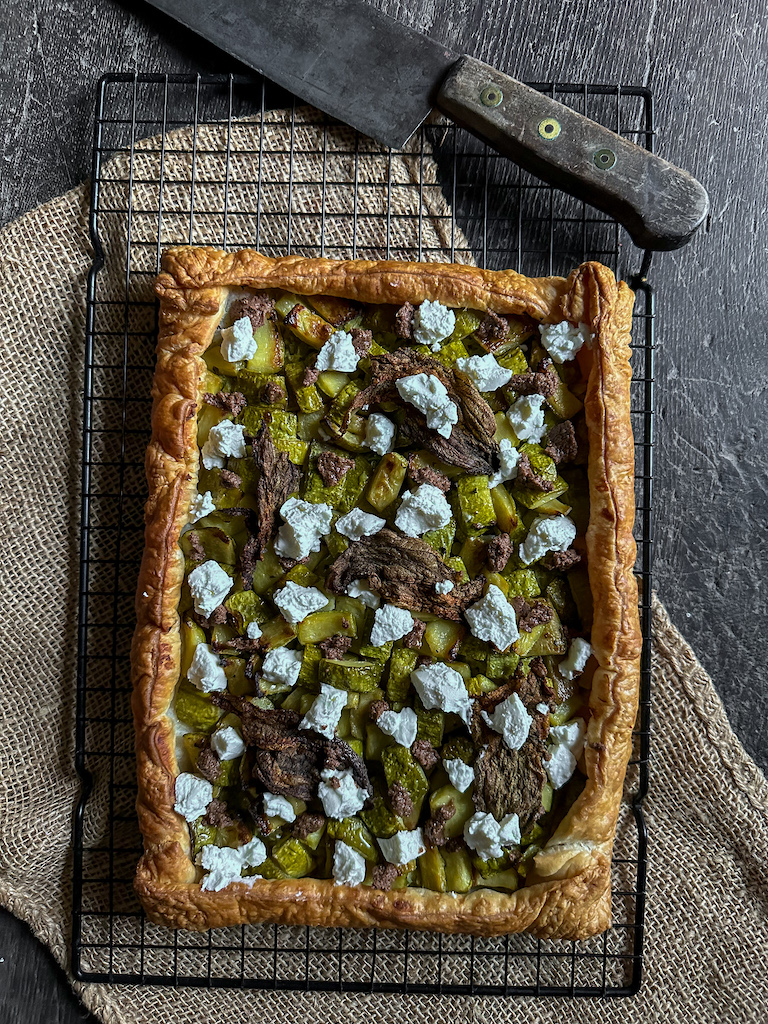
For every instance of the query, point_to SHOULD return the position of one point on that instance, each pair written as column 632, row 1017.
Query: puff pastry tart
column 387, row 656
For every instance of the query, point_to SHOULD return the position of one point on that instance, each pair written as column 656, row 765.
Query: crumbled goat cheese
column 206, row 671
column 237, row 341
column 357, row 524
column 461, row 775
column 432, row 323
column 224, row 864
column 227, row 743
column 253, row 853
column 421, row 510
column 563, row 341
column 511, row 720
column 440, row 686
column 403, row 847
column 579, row 654
column 427, row 393
column 379, row 433
column 487, row 837
column 348, row 865
column 338, row 353
column 324, row 713
column 526, row 417
column 570, row 735
column 485, row 372
column 444, row 586
column 358, row 589
column 305, row 526
column 340, row 801
column 492, row 618
column 279, row 807
column 225, row 438
column 543, row 708
column 192, row 796
column 390, row 623
column 201, row 505
column 281, row 667
column 509, row 457
column 209, row 585
column 560, row 766
column 547, row 533
column 400, row 725
column 296, row 603
column 253, row 631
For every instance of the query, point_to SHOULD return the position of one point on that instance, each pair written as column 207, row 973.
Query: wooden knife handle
column 660, row 205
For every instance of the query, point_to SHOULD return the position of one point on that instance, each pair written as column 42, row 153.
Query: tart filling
column 385, row 616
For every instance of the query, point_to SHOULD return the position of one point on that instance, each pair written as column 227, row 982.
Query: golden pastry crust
column 569, row 892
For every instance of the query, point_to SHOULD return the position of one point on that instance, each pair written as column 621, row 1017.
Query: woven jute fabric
column 706, row 928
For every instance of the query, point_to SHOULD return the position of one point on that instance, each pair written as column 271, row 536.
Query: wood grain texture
column 707, row 67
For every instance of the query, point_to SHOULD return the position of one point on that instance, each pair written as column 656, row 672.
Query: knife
column 383, row 78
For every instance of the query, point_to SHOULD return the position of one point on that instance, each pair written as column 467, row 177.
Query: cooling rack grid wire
column 258, row 169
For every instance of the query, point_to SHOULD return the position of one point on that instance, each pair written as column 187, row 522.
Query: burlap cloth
column 706, row 938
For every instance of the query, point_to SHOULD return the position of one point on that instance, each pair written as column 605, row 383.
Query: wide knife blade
column 347, row 58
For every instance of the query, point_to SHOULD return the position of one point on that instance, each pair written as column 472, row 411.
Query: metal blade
column 342, row 56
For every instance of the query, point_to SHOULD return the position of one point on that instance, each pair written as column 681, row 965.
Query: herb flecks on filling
column 411, row 473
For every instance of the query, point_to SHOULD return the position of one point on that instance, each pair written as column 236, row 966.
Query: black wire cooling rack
column 259, row 170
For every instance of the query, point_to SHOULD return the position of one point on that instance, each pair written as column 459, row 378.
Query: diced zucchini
column 359, row 716
column 495, row 579
column 387, row 480
column 207, row 417
column 270, row 353
column 283, row 427
column 546, row 638
column 216, row 544
column 480, row 684
column 507, row 515
column 431, row 724
column 246, row 606
column 276, row 633
column 375, row 742
column 331, row 382
column 459, row 747
column 442, row 539
column 475, row 503
column 303, row 322
column 442, row 635
column 504, row 431
column 507, row 879
column 463, row 804
column 458, row 566
column 338, row 312
column 402, row 663
column 353, row 437
column 559, row 596
column 450, row 351
column 194, row 708
column 467, row 322
column 191, row 636
column 202, row 835
column 400, row 766
column 381, row 821
column 514, row 361
column 293, row 857
column 474, row 650
column 502, row 666
column 547, row 794
column 566, row 709
column 354, row 833
column 322, row 625
column 519, row 332
column 432, row 870
column 458, row 871
column 523, row 583
column 380, row 653
column 310, row 662
column 539, row 499
column 346, row 674
column 307, row 396
column 473, row 555
column 266, row 572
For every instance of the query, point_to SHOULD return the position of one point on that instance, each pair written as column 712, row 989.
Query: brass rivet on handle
column 549, row 128
column 491, row 96
column 604, row 159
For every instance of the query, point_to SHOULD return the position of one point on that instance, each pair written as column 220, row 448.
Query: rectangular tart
column 386, row 666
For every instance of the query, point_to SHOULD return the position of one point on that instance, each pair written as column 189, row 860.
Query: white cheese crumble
column 542, row 708
column 209, row 585
column 432, row 323
column 403, row 847
column 325, row 711
column 570, row 735
column 305, row 526
column 421, row 510
column 279, row 807
column 579, row 654
column 342, row 799
column 205, row 670
column 560, row 766
column 201, row 505
column 427, row 393
column 511, row 720
column 485, row 372
column 224, row 439
column 493, row 619
column 509, row 457
column 526, row 417
column 224, row 864
column 338, row 353
column 461, row 775
column 547, row 533
column 563, row 341
column 379, row 433
column 390, row 623
column 348, row 865
column 400, row 725
column 444, row 586
column 296, row 603
column 357, row 524
column 237, row 341
column 487, row 837
column 253, row 631
column 440, row 686
column 358, row 589
column 192, row 796
column 281, row 667
column 227, row 743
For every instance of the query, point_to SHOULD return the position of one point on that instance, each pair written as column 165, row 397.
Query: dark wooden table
column 706, row 64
